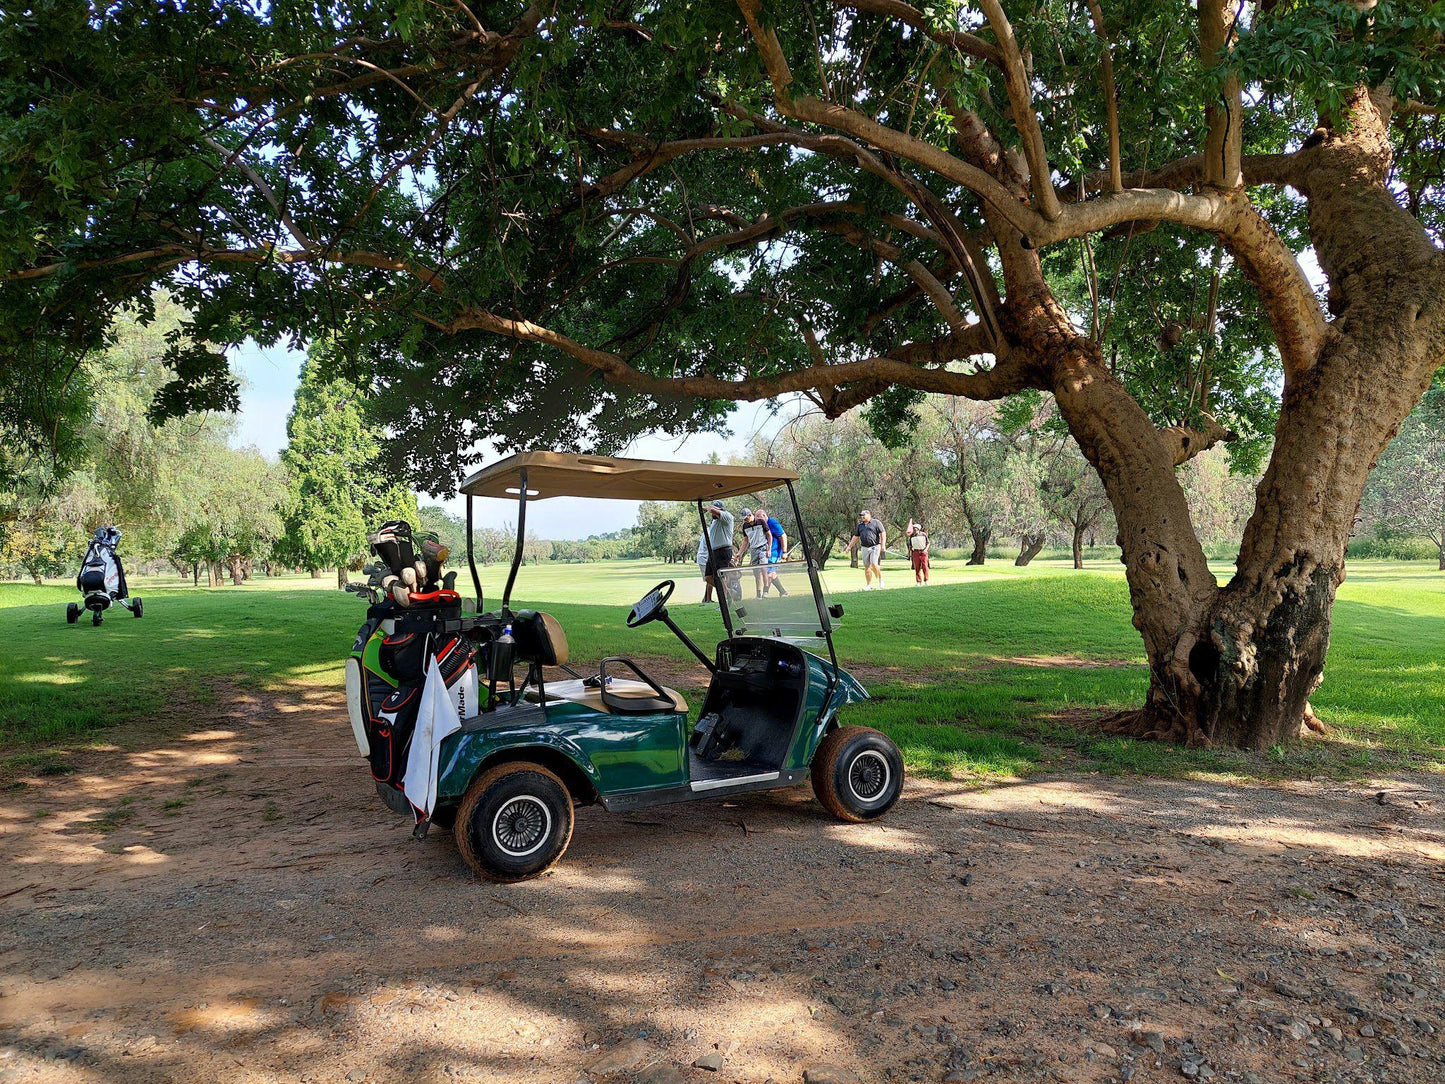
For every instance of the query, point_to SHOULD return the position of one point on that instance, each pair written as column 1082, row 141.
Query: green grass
column 990, row 672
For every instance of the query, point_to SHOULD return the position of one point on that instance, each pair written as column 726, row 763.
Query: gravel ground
column 231, row 902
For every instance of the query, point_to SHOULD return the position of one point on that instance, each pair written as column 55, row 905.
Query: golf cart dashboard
column 754, row 662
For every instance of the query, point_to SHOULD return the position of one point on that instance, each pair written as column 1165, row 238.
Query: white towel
column 436, row 717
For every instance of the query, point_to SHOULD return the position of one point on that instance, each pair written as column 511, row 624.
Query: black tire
column 136, row 607
column 515, row 821
column 95, row 618
column 857, row 773
column 72, row 613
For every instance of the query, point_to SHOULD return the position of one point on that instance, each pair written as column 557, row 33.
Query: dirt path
column 233, row 903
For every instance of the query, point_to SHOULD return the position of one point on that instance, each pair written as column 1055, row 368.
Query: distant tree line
column 182, row 495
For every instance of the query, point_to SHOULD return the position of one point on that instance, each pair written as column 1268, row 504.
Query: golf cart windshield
column 759, row 608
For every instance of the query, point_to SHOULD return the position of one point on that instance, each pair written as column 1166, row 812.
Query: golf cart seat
column 619, row 691
column 540, row 638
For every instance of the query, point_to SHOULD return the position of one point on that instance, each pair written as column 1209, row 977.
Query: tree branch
column 1111, row 102
column 1185, row 443
column 1225, row 117
column 1017, row 80
column 961, row 40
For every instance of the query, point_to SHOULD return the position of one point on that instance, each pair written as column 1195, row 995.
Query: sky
column 269, row 378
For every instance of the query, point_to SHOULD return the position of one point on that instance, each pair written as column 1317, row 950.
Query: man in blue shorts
column 777, row 548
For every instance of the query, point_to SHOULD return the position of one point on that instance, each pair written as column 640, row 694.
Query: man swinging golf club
column 720, row 544
column 755, row 539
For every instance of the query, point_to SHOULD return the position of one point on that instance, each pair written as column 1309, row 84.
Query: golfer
column 870, row 536
column 702, row 567
column 777, row 542
column 719, row 541
column 758, row 542
column 918, row 552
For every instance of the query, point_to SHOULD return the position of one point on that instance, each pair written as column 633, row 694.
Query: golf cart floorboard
column 707, row 779
column 722, row 772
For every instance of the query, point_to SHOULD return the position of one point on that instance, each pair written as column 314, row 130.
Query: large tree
column 571, row 222
column 338, row 490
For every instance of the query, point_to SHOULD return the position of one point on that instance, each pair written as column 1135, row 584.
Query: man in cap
column 719, row 541
column 757, row 540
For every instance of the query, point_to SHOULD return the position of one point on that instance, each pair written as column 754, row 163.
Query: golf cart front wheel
column 514, row 822
column 857, row 773
column 72, row 613
column 136, row 607
column 95, row 618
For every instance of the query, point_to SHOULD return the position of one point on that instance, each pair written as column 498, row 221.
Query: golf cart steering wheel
column 650, row 605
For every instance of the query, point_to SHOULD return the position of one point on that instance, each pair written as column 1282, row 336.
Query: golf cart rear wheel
column 72, row 613
column 136, row 607
column 857, row 773
column 514, row 822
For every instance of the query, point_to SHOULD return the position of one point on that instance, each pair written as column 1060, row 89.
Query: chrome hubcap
column 868, row 776
column 522, row 825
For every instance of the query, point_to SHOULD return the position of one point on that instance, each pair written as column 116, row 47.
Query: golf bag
column 101, row 579
column 387, row 671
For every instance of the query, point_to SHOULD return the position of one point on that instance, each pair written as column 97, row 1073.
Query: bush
column 1393, row 549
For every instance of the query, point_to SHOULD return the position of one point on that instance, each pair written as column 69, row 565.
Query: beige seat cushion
column 578, row 693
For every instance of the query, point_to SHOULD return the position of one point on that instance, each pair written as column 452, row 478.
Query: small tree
column 971, row 453
column 668, row 530
column 1073, row 494
column 338, row 490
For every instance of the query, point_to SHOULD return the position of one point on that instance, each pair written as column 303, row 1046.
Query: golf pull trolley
column 525, row 737
column 101, row 580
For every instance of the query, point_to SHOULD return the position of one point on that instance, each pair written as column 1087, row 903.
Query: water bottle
column 503, row 650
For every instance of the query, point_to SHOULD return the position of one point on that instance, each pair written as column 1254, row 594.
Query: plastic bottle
column 503, row 651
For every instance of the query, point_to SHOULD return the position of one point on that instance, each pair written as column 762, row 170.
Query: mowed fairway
column 989, row 671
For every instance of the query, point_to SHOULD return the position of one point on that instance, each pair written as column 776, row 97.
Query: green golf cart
column 539, row 744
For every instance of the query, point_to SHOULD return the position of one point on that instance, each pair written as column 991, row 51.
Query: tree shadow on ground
column 230, row 901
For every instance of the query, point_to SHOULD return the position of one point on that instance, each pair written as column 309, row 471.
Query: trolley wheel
column 857, row 773
column 136, row 607
column 95, row 618
column 72, row 613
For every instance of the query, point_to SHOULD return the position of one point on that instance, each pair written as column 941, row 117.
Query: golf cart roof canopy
column 564, row 474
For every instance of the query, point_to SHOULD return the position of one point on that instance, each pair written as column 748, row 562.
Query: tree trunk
column 1078, row 545
column 195, row 573
column 316, row 573
column 40, row 580
column 236, row 574
column 213, row 573
column 341, row 577
column 1442, row 558
column 1029, row 546
column 980, row 545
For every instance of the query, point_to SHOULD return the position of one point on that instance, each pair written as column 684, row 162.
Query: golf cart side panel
column 615, row 752
column 824, row 700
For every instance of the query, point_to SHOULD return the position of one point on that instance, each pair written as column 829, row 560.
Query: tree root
column 1148, row 724
column 1312, row 722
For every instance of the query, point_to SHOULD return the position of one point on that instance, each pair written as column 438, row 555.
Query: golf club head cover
column 433, row 553
column 392, row 542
